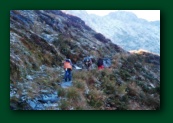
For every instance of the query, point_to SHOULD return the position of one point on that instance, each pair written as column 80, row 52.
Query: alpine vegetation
column 58, row 62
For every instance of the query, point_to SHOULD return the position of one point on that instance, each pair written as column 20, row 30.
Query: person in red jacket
column 100, row 64
column 68, row 69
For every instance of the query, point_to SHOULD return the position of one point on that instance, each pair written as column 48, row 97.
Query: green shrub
column 72, row 94
column 64, row 105
column 95, row 99
column 61, row 92
column 124, row 75
column 108, row 86
column 79, row 84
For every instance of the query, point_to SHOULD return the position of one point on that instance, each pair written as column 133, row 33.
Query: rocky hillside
column 124, row 29
column 40, row 40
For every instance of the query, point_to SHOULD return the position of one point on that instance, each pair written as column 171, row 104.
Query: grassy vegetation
column 106, row 93
column 115, row 88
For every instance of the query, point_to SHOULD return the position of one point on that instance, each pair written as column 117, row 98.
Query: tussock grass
column 64, row 105
column 61, row 92
column 95, row 98
column 72, row 94
column 79, row 84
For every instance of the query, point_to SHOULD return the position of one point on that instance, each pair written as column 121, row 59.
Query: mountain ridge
column 125, row 29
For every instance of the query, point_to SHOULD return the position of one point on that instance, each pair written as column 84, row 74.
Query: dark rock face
column 100, row 37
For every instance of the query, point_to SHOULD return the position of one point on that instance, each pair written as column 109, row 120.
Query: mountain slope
column 125, row 29
column 40, row 40
column 54, row 36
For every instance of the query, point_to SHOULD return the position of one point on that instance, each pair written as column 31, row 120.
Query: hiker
column 68, row 69
column 87, row 62
column 100, row 64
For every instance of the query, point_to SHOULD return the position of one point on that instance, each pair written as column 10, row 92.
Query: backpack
column 100, row 62
column 107, row 62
